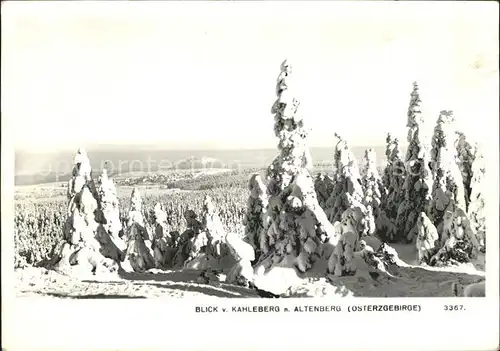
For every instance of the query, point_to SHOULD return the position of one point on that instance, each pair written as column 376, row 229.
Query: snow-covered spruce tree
column 298, row 234
column 418, row 181
column 393, row 180
column 185, row 250
column 355, row 254
column 110, row 210
column 458, row 242
column 292, row 235
column 323, row 185
column 139, row 253
column 465, row 159
column 87, row 247
column 207, row 249
column 347, row 191
column 212, row 225
column 163, row 245
column 389, row 147
column 476, row 210
column 427, row 239
column 448, row 183
column 373, row 190
column 256, row 208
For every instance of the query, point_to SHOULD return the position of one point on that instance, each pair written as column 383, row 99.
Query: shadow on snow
column 91, row 296
column 185, row 281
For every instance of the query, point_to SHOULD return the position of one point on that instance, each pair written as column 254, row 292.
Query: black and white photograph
column 250, row 150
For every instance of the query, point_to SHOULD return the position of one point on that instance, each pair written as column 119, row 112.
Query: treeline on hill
column 190, row 181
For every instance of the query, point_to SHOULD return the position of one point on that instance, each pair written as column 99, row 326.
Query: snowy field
column 409, row 281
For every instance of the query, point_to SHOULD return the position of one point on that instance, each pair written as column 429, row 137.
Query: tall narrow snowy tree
column 393, row 180
column 373, row 190
column 299, row 234
column 476, row 210
column 139, row 253
column 466, row 155
column 110, row 210
column 323, row 185
column 447, row 191
column 418, row 180
column 427, row 237
column 213, row 227
column 389, row 147
column 296, row 221
column 162, row 245
column 347, row 191
column 256, row 209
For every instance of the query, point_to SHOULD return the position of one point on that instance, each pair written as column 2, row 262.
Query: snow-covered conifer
column 347, row 192
column 476, row 210
column 213, row 227
column 457, row 242
column 110, row 210
column 256, row 209
column 323, row 185
column 393, row 180
column 448, row 183
column 87, row 246
column 296, row 221
column 373, row 190
column 427, row 238
column 389, row 147
column 186, row 250
column 206, row 246
column 163, row 246
column 355, row 254
column 418, row 181
column 465, row 158
column 139, row 253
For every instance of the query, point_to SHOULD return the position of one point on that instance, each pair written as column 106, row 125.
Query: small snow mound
column 279, row 278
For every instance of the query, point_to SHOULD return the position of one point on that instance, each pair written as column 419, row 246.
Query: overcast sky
column 204, row 74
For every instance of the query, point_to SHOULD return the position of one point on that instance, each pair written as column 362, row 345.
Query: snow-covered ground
column 409, row 280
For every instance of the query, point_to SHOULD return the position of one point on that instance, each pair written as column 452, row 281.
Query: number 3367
column 453, row 307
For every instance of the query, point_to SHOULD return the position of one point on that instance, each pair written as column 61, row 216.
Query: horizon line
column 106, row 147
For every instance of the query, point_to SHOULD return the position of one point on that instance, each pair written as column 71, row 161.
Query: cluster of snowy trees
column 432, row 197
column 95, row 241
